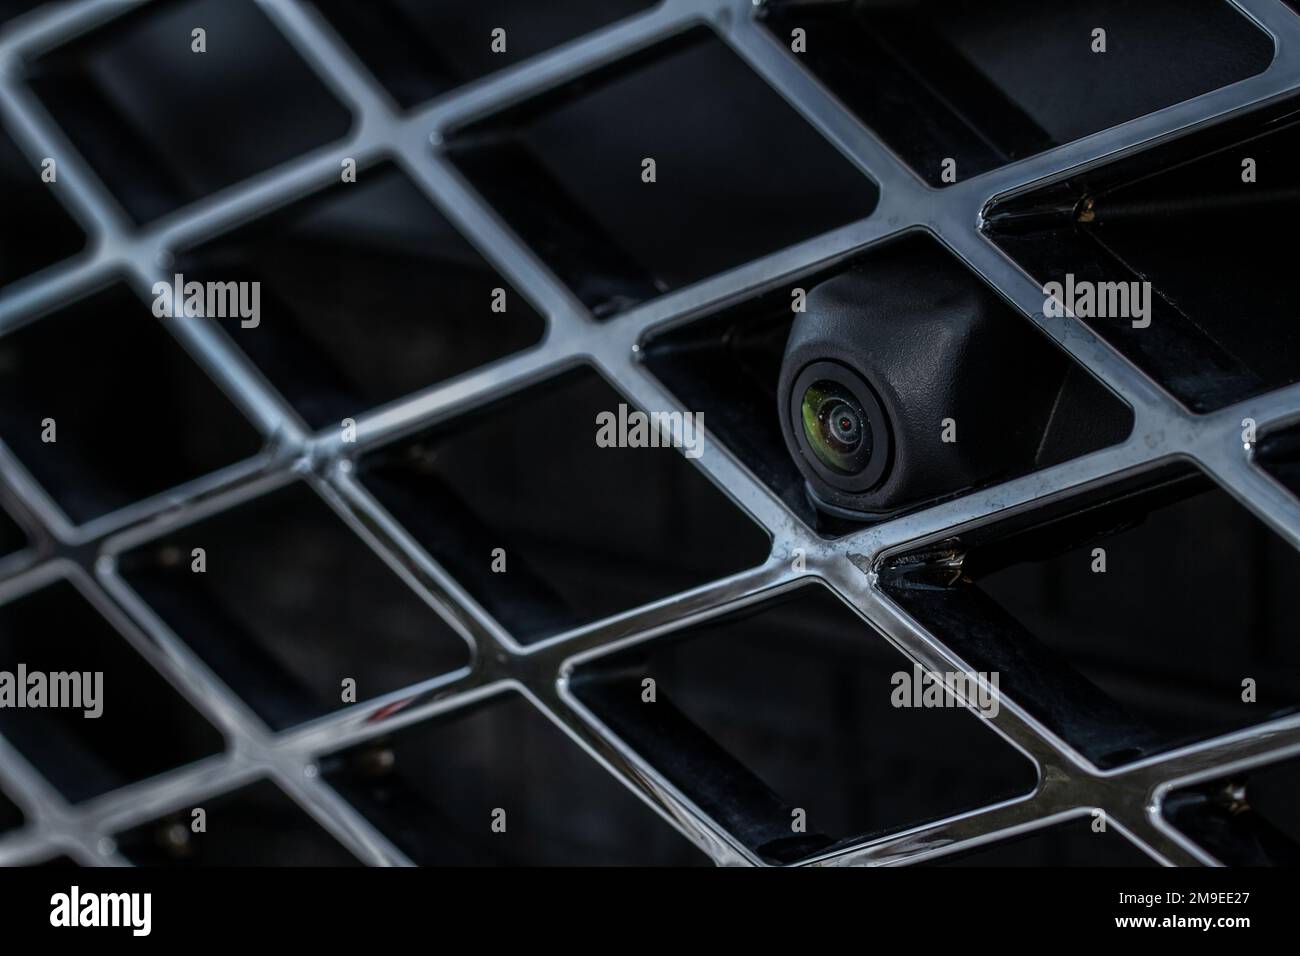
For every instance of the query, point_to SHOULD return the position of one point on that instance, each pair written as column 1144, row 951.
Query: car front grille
column 350, row 467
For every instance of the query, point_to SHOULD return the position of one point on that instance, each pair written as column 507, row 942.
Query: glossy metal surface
column 1068, row 784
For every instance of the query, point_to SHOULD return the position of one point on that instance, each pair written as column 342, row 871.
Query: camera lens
column 836, row 427
column 845, row 424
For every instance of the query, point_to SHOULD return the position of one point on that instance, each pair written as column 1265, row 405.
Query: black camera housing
column 922, row 340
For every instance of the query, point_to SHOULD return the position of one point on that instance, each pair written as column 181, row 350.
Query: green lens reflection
column 836, row 427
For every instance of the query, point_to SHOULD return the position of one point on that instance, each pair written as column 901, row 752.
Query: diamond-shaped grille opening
column 436, row 788
column 419, row 49
column 1249, row 819
column 987, row 83
column 584, row 531
column 728, row 366
column 1075, row 843
column 367, row 293
column 124, row 399
column 290, row 605
column 256, row 825
column 1154, row 651
column 789, row 706
column 48, row 234
column 1144, row 219
column 11, row 536
column 164, row 125
column 10, row 816
column 145, row 726
column 566, row 170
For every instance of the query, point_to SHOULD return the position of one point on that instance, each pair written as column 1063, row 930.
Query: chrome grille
column 88, row 554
